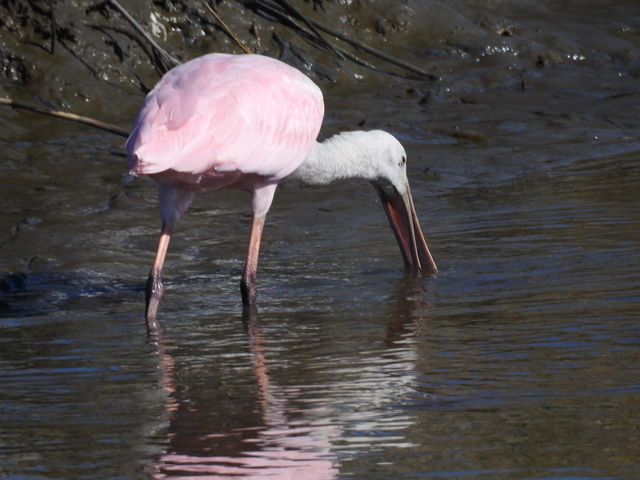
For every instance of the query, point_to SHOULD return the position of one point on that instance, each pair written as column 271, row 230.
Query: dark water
column 519, row 360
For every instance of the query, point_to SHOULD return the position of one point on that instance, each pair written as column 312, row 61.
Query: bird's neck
column 345, row 155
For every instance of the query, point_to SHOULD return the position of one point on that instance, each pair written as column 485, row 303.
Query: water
column 519, row 360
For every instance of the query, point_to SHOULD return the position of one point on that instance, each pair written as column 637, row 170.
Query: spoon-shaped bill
column 398, row 204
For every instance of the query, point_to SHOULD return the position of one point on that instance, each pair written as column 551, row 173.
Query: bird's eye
column 402, row 161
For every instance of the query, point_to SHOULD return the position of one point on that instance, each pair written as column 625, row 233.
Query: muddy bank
column 85, row 56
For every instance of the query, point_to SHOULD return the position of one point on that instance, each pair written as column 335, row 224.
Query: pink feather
column 218, row 116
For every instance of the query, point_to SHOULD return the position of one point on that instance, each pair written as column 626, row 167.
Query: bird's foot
column 155, row 292
column 248, row 290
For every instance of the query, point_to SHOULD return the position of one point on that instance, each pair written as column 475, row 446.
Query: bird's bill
column 398, row 204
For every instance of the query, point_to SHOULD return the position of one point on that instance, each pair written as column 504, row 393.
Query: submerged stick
column 92, row 122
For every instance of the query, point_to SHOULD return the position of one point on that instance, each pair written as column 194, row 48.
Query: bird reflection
column 410, row 311
column 271, row 436
column 275, row 448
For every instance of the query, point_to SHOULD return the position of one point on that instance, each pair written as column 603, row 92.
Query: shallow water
column 519, row 359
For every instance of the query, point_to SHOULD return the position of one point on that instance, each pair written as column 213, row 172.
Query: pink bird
column 246, row 122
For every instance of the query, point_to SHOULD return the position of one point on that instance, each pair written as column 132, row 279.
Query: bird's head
column 392, row 184
column 379, row 157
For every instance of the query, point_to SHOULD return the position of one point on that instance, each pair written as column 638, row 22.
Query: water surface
column 519, row 360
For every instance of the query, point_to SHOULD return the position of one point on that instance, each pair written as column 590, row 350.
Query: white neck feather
column 345, row 155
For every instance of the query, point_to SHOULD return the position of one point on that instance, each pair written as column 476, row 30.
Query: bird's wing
column 227, row 113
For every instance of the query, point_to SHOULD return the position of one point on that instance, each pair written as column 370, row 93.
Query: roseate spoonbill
column 246, row 122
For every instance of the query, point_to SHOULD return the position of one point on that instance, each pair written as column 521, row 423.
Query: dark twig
column 52, row 20
column 356, row 59
column 107, row 127
column 373, row 51
column 295, row 12
column 280, row 13
column 281, row 8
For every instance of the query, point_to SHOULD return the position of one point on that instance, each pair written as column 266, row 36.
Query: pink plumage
column 213, row 120
column 222, row 121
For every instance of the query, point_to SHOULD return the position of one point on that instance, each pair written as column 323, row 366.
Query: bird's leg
column 248, row 282
column 155, row 289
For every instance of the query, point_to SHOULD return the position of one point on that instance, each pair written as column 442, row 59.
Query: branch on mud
column 277, row 12
column 228, row 31
column 107, row 127
column 283, row 10
column 166, row 62
column 287, row 7
column 375, row 52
